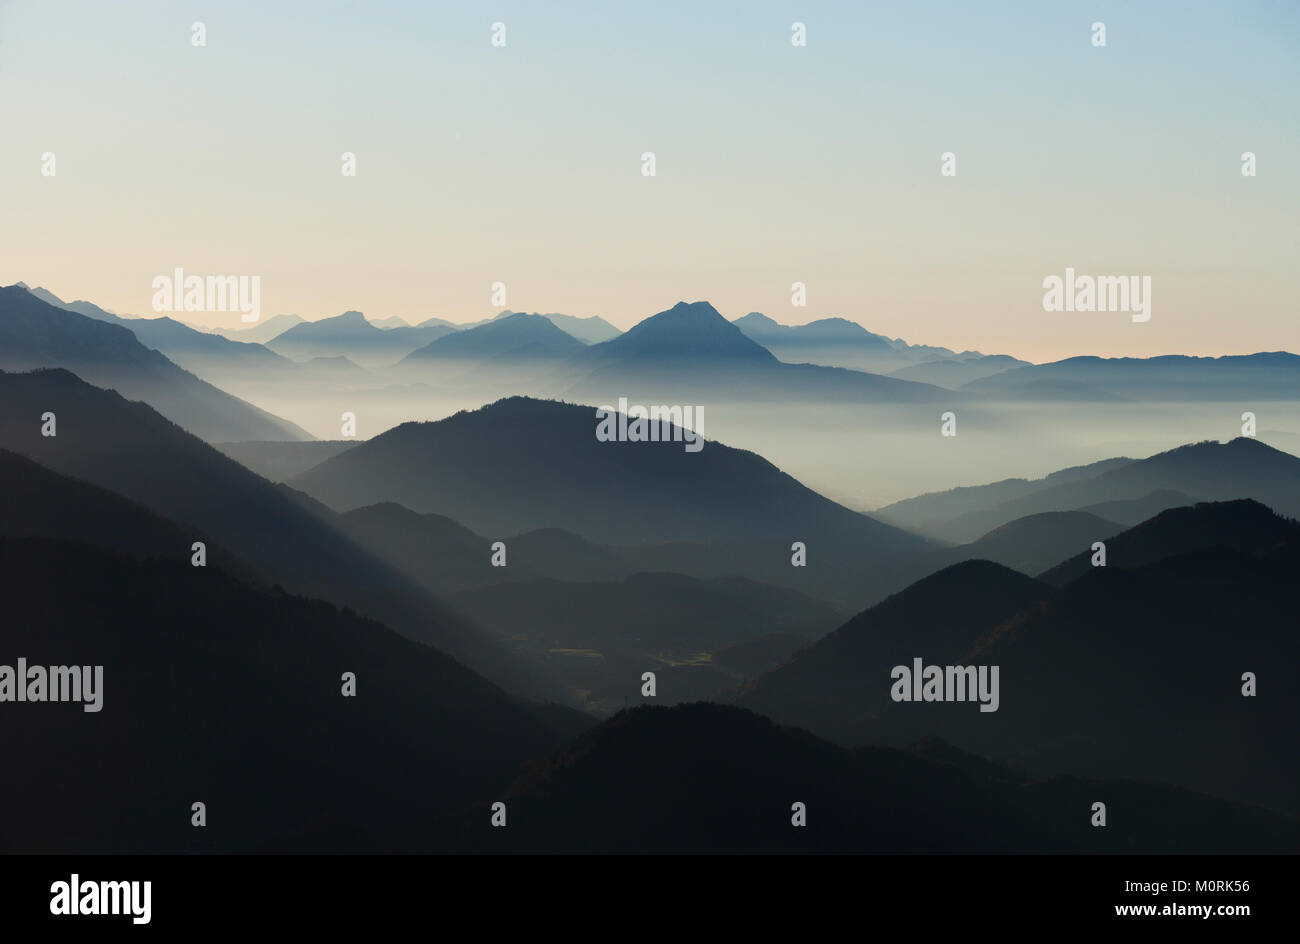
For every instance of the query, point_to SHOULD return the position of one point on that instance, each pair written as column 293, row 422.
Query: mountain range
column 232, row 695
column 1120, row 489
column 704, row 778
column 1259, row 377
column 691, row 352
column 35, row 334
column 488, row 469
column 1133, row 669
column 352, row 336
column 134, row 452
column 838, row 342
column 1154, row 680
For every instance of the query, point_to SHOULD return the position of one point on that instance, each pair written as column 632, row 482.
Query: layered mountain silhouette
column 1264, row 376
column 1131, row 511
column 954, row 372
column 129, row 449
column 1207, row 471
column 1158, row 683
column 36, row 502
column 501, row 348
column 446, row 557
column 222, row 692
column 261, row 332
column 350, row 335
column 1128, row 671
column 278, row 461
column 1242, row 525
column 690, row 350
column 838, row 342
column 207, row 354
column 590, row 330
column 35, row 334
column 1035, row 542
column 521, row 465
column 704, row 778
column 689, row 330
column 931, row 513
column 840, row 687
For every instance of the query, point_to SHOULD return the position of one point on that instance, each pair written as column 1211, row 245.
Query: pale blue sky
column 775, row 164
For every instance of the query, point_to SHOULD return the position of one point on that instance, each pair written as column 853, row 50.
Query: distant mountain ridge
column 592, row 329
column 35, row 334
column 194, row 349
column 691, row 350
column 688, row 330
column 1174, row 377
column 515, row 337
column 352, row 336
column 523, row 464
column 1206, row 471
column 839, row 342
column 1243, row 525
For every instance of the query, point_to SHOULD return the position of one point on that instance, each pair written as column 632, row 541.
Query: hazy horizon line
column 238, row 327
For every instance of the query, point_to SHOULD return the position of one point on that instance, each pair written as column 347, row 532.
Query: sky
column 775, row 164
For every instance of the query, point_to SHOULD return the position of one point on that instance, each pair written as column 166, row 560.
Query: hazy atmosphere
column 683, row 429
column 775, row 164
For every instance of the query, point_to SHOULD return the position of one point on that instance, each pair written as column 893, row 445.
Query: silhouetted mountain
column 1264, row 376
column 261, row 332
column 1139, row 673
column 838, row 342
column 208, row 354
column 352, row 336
column 86, row 308
column 1210, row 471
column 687, row 331
column 1031, row 544
column 931, row 513
column 1131, row 511
column 332, row 371
column 1242, row 525
column 219, row 692
column 131, row 450
column 34, row 334
column 840, row 688
column 36, row 502
column 205, row 353
column 1125, row 672
column 591, row 613
column 954, row 372
column 522, row 464
column 815, row 334
column 446, row 557
column 706, row 778
column 505, row 341
column 590, row 330
column 439, row 553
column 691, row 351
